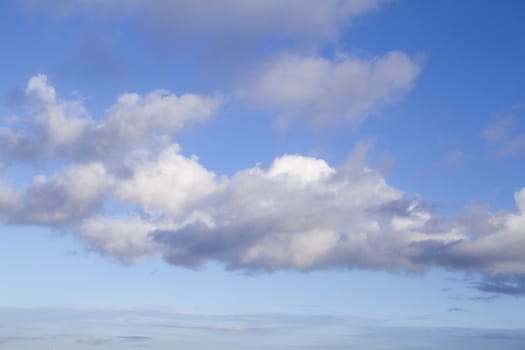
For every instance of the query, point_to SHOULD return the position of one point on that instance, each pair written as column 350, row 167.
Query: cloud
column 327, row 220
column 226, row 21
column 505, row 135
column 53, row 123
column 57, row 127
column 319, row 90
column 93, row 341
column 496, row 249
column 125, row 238
column 139, row 196
column 168, row 183
column 8, row 198
column 67, row 196
column 499, row 129
column 510, row 285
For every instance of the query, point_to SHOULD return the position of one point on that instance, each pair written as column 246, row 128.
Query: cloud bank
column 125, row 188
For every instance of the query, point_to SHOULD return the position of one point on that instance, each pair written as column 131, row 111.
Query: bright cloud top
column 135, row 197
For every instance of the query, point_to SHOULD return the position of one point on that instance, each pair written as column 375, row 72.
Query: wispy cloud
column 507, row 284
column 505, row 136
column 225, row 20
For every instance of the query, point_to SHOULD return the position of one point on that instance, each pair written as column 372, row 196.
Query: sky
column 262, row 174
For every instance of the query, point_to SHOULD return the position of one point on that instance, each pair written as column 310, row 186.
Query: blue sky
column 262, row 174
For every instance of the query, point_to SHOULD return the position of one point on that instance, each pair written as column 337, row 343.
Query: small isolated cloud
column 65, row 197
column 319, row 90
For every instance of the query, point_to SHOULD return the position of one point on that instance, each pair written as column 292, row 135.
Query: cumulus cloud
column 298, row 212
column 8, row 198
column 69, row 195
column 126, row 238
column 58, row 127
column 320, row 90
column 52, row 124
column 169, row 183
column 136, row 117
column 496, row 249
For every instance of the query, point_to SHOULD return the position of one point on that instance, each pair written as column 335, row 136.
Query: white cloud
column 169, row 183
column 59, row 122
column 274, row 218
column 319, row 90
column 8, row 198
column 133, row 117
column 300, row 169
column 63, row 127
column 67, row 196
column 498, row 250
column 297, row 213
column 126, row 239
